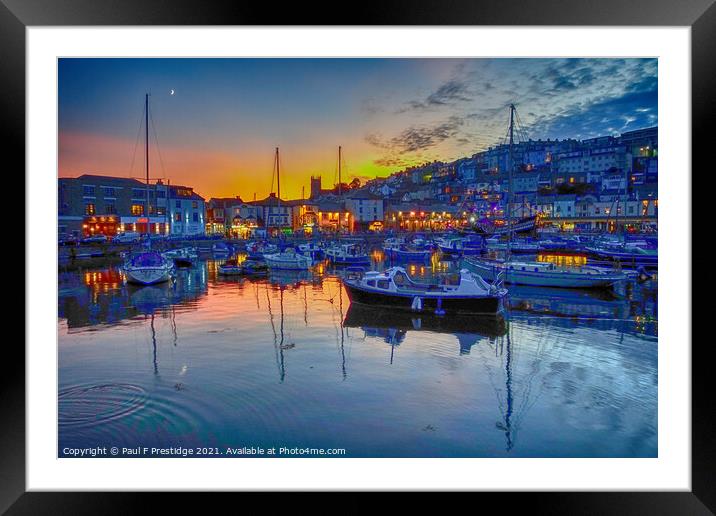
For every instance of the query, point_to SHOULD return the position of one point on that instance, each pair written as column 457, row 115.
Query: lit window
column 137, row 209
column 89, row 209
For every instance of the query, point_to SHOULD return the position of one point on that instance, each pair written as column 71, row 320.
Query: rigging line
column 156, row 141
column 273, row 172
column 136, row 141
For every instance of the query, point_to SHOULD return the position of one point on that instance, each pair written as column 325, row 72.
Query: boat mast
column 278, row 185
column 146, row 156
column 339, row 171
column 509, row 180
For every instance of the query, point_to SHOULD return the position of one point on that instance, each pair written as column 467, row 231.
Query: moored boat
column 235, row 267
column 625, row 254
column 312, row 250
column 148, row 268
column 347, row 254
column 394, row 288
column 183, row 257
column 461, row 246
column 289, row 259
column 516, row 246
column 231, row 267
column 543, row 274
column 257, row 250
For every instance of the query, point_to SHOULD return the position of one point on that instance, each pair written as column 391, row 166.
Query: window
column 195, row 217
column 110, row 209
column 194, row 204
column 385, row 284
column 138, row 193
column 88, row 190
column 137, row 209
column 161, row 194
column 89, row 209
column 177, row 204
column 177, row 216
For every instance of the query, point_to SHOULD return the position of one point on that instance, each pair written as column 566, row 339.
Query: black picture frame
column 700, row 15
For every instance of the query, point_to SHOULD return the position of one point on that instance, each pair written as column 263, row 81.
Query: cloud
column 610, row 115
column 418, row 138
column 449, row 93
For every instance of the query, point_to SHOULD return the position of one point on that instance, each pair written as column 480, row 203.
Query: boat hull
column 625, row 257
column 409, row 255
column 429, row 302
column 147, row 275
column 230, row 271
column 349, row 260
column 545, row 278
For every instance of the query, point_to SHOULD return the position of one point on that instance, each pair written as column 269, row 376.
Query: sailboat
column 289, row 259
column 148, row 267
column 535, row 273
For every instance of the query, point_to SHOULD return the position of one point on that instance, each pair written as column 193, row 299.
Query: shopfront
column 100, row 225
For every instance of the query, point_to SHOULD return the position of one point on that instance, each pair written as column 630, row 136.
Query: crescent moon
column 171, row 92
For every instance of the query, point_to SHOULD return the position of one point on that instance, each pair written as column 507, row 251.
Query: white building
column 185, row 209
column 365, row 208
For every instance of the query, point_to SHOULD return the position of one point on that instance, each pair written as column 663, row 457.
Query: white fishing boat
column 543, row 274
column 289, row 259
column 148, row 268
column 347, row 254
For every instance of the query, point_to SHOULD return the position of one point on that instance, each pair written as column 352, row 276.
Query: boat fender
column 417, row 304
column 439, row 310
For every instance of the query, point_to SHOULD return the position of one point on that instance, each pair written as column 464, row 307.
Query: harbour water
column 211, row 363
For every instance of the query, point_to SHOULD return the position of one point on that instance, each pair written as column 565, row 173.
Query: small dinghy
column 184, row 257
column 231, row 267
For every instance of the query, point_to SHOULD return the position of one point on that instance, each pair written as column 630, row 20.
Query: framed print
column 392, row 256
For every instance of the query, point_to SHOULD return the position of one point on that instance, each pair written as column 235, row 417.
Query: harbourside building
column 184, row 209
column 365, row 209
column 232, row 217
column 273, row 214
column 104, row 205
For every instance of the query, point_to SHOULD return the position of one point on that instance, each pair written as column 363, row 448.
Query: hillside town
column 592, row 184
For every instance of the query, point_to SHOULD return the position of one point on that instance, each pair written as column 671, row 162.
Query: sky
column 219, row 129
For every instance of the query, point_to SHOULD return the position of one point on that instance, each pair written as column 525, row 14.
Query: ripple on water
column 94, row 404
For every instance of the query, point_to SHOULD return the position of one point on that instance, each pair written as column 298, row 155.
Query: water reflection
column 89, row 298
column 286, row 358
